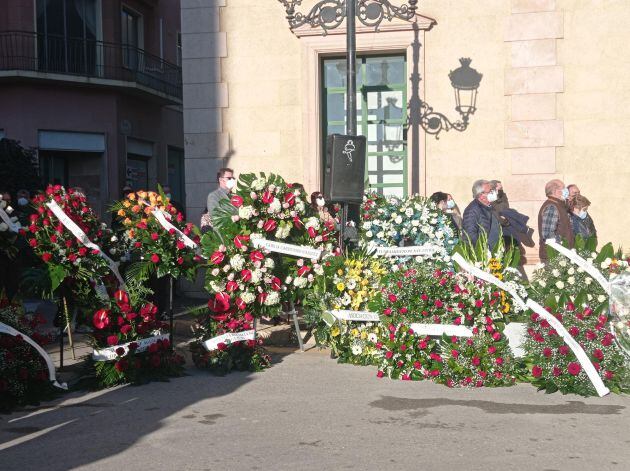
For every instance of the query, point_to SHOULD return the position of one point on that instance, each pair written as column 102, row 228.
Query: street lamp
column 330, row 14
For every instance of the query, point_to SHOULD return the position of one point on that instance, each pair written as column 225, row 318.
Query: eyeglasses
column 227, row 178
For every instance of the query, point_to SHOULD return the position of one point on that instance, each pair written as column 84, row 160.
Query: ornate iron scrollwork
column 329, row 14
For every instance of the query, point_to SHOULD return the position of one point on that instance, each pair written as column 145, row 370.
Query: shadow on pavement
column 80, row 429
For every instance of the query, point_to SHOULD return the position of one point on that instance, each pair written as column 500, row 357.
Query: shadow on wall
column 80, row 433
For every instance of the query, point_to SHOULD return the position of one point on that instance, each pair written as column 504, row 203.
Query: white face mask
column 320, row 202
column 582, row 214
column 231, row 183
column 22, row 201
column 492, row 196
column 450, row 204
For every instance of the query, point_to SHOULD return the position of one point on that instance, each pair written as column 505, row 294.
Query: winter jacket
column 477, row 217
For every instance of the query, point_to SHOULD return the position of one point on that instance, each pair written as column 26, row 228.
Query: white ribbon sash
column 482, row 275
column 441, row 329
column 361, row 316
column 82, row 237
column 230, row 337
column 165, row 223
column 580, row 262
column 584, row 360
column 109, row 353
column 288, row 249
column 6, row 329
column 13, row 227
column 516, row 334
column 411, row 251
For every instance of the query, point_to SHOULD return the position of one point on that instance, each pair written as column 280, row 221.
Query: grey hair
column 477, row 187
column 494, row 183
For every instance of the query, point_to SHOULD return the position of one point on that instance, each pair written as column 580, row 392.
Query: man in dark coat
column 478, row 215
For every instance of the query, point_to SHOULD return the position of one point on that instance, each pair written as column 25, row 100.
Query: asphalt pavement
column 308, row 412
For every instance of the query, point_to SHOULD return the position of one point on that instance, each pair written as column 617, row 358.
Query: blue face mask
column 450, row 204
column 565, row 193
column 582, row 214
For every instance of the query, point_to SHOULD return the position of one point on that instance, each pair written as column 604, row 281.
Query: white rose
column 275, row 206
column 559, row 284
column 588, row 280
column 245, row 212
column 398, row 220
column 369, row 234
column 555, row 273
column 300, row 282
column 248, row 297
column 415, row 223
column 571, row 280
column 601, row 298
column 571, row 271
column 272, row 299
column 237, row 262
column 3, row 227
column 563, row 263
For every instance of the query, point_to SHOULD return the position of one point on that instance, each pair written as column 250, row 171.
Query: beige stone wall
column 554, row 99
column 263, row 72
column 595, row 107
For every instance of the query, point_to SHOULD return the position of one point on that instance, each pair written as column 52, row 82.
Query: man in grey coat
column 479, row 216
column 226, row 180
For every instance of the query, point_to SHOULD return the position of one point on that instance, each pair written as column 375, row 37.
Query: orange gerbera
column 121, row 212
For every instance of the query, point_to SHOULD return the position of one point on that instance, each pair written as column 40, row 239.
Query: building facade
column 552, row 102
column 95, row 87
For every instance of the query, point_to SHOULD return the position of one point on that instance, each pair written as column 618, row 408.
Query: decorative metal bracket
column 329, row 14
column 434, row 123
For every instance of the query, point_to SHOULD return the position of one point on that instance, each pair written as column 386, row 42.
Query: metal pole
column 170, row 310
column 351, row 75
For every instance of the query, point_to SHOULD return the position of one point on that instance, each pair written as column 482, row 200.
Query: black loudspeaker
column 344, row 175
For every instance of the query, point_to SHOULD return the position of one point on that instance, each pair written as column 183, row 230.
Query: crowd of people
column 563, row 215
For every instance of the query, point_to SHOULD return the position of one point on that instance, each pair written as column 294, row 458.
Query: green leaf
column 57, row 274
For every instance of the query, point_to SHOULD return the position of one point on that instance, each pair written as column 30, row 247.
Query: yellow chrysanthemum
column 341, row 286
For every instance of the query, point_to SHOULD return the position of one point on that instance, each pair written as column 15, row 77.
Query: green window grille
column 381, row 116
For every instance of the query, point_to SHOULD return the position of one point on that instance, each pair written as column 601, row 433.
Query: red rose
column 154, row 236
column 120, row 351
column 82, row 251
column 112, row 340
column 574, row 368
column 256, row 256
column 180, row 260
column 155, row 258
column 46, row 256
column 597, row 353
column 379, row 374
column 217, row 257
column 556, row 371
column 69, row 243
column 609, row 375
column 387, row 312
column 221, row 346
column 389, row 355
column 72, row 257
column 476, row 361
column 153, row 348
column 236, row 201
column 547, row 352
column 125, row 329
column 269, row 225
column 121, row 365
column 32, row 243
column 101, row 319
column 392, row 298
column 479, row 303
column 563, row 350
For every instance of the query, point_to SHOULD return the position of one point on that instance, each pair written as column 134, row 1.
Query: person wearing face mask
column 446, row 204
column 226, row 180
column 581, row 222
column 553, row 217
column 24, row 209
column 478, row 215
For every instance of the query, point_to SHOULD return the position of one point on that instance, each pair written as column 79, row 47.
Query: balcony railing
column 87, row 58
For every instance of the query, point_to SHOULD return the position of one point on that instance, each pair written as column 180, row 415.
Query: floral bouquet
column 66, row 255
column 414, row 220
column 130, row 345
column 346, row 283
column 245, row 355
column 23, row 372
column 159, row 238
column 427, row 294
column 553, row 364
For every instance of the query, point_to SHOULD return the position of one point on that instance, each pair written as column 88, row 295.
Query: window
column 381, row 115
column 130, row 38
column 67, row 36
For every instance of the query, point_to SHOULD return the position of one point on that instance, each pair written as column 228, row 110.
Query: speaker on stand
column 344, row 177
